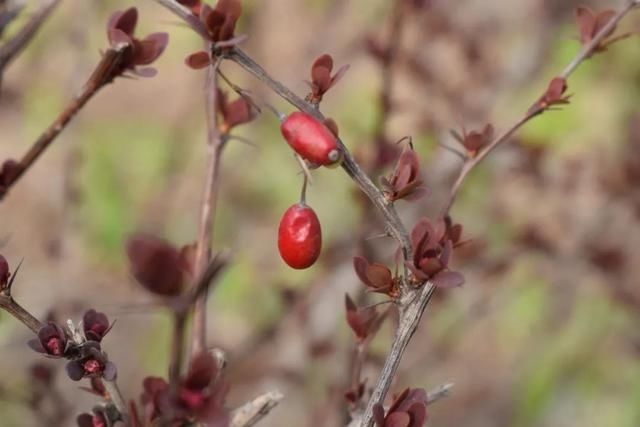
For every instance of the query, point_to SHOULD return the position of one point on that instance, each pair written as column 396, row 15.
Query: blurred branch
column 585, row 53
column 8, row 12
column 391, row 54
column 12, row 47
column 181, row 309
column 215, row 143
column 115, row 397
column 439, row 392
column 102, row 75
column 252, row 412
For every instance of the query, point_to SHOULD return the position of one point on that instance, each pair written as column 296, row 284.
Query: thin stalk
column 208, row 207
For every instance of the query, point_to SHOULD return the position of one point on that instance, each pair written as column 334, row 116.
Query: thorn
column 13, row 277
column 366, row 307
column 454, row 133
column 377, row 236
column 244, row 141
column 462, row 156
column 407, row 137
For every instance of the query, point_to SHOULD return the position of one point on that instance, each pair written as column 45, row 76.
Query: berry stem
column 303, row 192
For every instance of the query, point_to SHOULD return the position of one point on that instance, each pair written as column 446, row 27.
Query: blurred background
column 545, row 331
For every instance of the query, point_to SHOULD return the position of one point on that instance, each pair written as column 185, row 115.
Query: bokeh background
column 544, row 333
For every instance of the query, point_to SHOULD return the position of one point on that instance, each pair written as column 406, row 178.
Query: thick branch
column 102, row 75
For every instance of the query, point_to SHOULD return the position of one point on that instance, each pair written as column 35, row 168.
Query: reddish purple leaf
column 448, row 279
column 198, row 60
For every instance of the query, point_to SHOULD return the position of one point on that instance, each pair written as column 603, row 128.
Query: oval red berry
column 311, row 139
column 299, row 237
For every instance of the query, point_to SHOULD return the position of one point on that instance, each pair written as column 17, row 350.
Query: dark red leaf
column 156, row 264
column 586, row 23
column 398, row 419
column 124, row 21
column 360, row 265
column 378, row 414
column 448, row 279
column 201, row 372
column 379, row 275
column 321, row 73
column 339, row 74
column 238, row 112
column 603, row 19
column 430, row 266
column 198, row 60
column 418, row 413
column 151, row 48
column 332, row 126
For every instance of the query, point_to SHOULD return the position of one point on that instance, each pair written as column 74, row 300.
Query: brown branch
column 391, row 54
column 413, row 301
column 181, row 309
column 8, row 304
column 585, row 53
column 115, row 397
column 250, row 413
column 393, row 224
column 11, row 48
column 102, row 75
column 186, row 15
column 9, row 12
column 208, row 207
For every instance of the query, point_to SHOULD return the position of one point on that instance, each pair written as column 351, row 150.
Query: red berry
column 299, row 236
column 311, row 139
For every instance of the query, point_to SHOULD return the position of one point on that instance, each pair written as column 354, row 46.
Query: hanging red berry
column 311, row 139
column 299, row 236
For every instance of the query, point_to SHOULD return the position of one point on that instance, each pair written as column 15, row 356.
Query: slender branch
column 393, row 223
column 585, row 53
column 115, row 396
column 181, row 309
column 589, row 49
column 9, row 12
column 471, row 163
column 10, row 49
column 413, row 301
column 208, row 207
column 392, row 50
column 8, row 304
column 439, row 392
column 252, row 412
column 177, row 349
column 102, row 75
column 186, row 15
